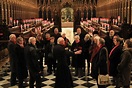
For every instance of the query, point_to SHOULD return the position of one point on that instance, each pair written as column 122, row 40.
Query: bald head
column 61, row 41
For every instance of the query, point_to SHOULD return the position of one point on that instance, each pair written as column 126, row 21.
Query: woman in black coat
column 77, row 60
column 63, row 75
column 86, row 48
column 21, row 62
column 99, row 62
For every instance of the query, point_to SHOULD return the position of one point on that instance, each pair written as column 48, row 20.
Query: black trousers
column 41, row 62
column 20, row 84
column 51, row 63
column 13, row 78
column 33, row 78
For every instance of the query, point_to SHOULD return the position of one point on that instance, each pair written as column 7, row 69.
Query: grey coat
column 124, row 67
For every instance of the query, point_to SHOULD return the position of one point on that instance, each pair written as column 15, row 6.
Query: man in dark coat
column 56, row 34
column 124, row 67
column 12, row 55
column 32, row 63
column 63, row 75
column 115, row 58
column 109, row 40
column 81, row 35
column 40, row 50
column 51, row 61
column 21, row 70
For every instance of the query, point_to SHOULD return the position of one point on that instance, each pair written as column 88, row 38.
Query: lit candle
column 21, row 27
column 14, row 23
column 17, row 22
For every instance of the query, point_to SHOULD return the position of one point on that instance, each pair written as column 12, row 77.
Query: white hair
column 96, row 38
column 87, row 37
column 77, row 37
column 102, row 41
column 12, row 36
column 31, row 39
column 59, row 40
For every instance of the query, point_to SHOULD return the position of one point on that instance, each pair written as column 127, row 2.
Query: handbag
column 104, row 79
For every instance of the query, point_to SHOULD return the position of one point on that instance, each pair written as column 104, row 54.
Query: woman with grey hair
column 86, row 48
column 99, row 61
column 124, row 67
column 77, row 60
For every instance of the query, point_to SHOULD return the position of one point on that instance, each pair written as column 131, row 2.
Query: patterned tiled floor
column 49, row 80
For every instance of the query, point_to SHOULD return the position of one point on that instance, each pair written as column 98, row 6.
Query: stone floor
column 49, row 80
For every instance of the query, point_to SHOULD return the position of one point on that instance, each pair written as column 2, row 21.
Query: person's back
column 63, row 75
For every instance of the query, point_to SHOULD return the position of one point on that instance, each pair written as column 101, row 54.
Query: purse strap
column 106, row 60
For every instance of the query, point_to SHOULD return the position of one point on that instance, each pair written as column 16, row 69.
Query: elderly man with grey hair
column 12, row 55
column 32, row 63
column 63, row 75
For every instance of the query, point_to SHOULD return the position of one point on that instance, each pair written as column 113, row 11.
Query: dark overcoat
column 63, row 75
column 85, row 49
column 77, row 60
column 114, row 60
column 125, row 66
column 32, row 59
column 12, row 55
column 99, row 63
column 21, row 63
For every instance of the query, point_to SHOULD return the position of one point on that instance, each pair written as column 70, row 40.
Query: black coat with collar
column 63, row 75
column 31, row 57
column 114, row 60
column 12, row 55
column 99, row 63
column 125, row 66
column 22, row 72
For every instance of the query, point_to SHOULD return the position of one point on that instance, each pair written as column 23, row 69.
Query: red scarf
column 110, row 55
column 95, row 51
column 113, row 50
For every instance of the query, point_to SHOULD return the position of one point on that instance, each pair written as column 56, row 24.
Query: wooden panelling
column 115, row 8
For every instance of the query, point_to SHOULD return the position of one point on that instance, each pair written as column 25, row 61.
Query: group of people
column 22, row 59
column 110, row 55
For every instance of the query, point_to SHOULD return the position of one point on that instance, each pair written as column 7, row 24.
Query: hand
column 66, row 48
column 78, row 52
column 75, row 50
